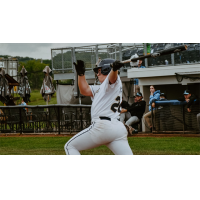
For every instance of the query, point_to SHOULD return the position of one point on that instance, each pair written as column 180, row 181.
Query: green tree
column 35, row 73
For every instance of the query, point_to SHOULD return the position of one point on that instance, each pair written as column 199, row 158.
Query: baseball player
column 105, row 129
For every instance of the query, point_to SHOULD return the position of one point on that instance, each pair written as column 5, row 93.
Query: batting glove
column 116, row 65
column 80, row 67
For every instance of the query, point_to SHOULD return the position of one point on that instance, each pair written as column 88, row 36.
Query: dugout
column 171, row 80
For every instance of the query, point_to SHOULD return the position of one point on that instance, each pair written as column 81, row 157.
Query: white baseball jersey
column 106, row 99
column 112, row 133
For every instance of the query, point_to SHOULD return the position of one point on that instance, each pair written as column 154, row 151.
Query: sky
column 34, row 50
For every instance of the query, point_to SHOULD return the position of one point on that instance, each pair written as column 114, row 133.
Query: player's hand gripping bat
column 80, row 67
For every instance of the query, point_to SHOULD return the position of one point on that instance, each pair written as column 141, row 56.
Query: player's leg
column 80, row 141
column 119, row 143
column 120, row 147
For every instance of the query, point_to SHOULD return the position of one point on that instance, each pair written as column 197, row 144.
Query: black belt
column 106, row 118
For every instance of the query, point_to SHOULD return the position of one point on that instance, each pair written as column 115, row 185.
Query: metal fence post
column 152, row 119
column 51, row 61
column 145, row 53
column 96, row 51
column 20, row 121
column 81, row 118
column 172, row 55
column 76, row 93
column 62, row 61
column 120, row 51
column 183, row 119
column 59, row 120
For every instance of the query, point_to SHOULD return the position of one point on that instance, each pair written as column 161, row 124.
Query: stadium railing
column 44, row 119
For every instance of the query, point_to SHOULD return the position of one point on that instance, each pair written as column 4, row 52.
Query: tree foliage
column 35, row 72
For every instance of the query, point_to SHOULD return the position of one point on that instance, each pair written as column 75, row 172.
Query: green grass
column 36, row 99
column 139, row 145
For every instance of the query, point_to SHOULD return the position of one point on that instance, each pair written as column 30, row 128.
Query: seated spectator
column 189, row 98
column 162, row 98
column 154, row 95
column 136, row 110
column 125, row 115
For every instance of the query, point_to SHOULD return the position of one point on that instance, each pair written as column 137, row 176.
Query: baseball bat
column 159, row 53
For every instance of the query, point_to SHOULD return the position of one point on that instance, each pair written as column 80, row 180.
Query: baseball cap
column 163, row 95
column 186, row 92
column 139, row 94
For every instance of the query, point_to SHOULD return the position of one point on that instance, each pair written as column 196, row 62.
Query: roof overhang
column 167, row 74
column 163, row 71
column 11, row 80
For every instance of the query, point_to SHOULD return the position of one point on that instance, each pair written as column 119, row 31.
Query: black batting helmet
column 105, row 66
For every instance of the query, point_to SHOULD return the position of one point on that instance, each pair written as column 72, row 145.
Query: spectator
column 189, row 98
column 136, row 110
column 23, row 104
column 163, row 97
column 136, row 82
column 125, row 115
column 154, row 95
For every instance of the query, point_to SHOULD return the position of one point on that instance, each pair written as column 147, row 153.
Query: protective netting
column 176, row 118
column 193, row 76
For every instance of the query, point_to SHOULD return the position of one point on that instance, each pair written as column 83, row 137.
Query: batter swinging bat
column 159, row 53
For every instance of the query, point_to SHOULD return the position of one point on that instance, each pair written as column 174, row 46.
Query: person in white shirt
column 106, row 129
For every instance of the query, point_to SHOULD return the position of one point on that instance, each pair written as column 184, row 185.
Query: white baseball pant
column 112, row 133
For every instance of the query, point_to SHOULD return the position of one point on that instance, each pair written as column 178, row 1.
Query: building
column 171, row 74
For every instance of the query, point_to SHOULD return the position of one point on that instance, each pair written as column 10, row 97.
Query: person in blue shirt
column 136, row 81
column 23, row 104
column 154, row 95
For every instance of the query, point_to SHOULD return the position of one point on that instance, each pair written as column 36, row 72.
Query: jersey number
column 116, row 105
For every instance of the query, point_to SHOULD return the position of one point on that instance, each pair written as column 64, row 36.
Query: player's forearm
column 83, row 85
column 113, row 76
